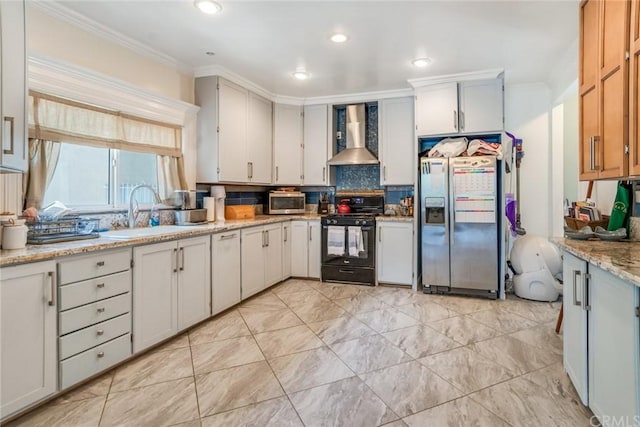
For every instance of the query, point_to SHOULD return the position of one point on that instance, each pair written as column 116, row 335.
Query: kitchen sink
column 136, row 233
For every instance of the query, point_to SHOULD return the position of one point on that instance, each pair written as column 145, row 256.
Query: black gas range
column 349, row 240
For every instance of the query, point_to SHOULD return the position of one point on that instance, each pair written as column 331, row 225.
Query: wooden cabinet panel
column 604, row 89
column 634, row 92
column 589, row 30
column 612, row 162
column 588, row 130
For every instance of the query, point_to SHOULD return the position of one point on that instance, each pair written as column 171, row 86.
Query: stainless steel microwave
column 286, row 202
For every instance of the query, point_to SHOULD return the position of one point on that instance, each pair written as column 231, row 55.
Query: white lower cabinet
column 225, row 271
column 602, row 340
column 306, row 248
column 286, row 250
column 261, row 258
column 575, row 324
column 395, row 252
column 171, row 288
column 614, row 344
column 28, row 366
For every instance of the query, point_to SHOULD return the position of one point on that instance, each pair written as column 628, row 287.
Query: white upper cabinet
column 287, row 145
column 232, row 132
column 397, row 141
column 13, row 88
column 234, row 140
column 260, row 139
column 474, row 106
column 316, row 143
column 437, row 109
column 481, row 106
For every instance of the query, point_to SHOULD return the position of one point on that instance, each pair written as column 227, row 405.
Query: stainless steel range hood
column 356, row 153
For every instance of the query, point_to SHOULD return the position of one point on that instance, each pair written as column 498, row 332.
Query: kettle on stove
column 343, row 207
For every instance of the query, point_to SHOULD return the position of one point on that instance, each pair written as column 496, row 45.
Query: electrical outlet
column 339, row 135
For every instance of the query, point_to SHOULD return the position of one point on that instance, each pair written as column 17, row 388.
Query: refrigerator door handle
column 451, row 217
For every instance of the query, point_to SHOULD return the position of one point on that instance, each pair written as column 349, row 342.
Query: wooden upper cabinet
column 634, row 89
column 604, row 89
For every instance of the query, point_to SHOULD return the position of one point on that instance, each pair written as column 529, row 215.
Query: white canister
column 14, row 236
column 209, row 203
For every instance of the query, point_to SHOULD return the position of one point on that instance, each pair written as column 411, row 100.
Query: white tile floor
column 317, row 354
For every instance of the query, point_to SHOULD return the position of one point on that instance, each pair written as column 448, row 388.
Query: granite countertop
column 398, row 218
column 621, row 259
column 34, row 253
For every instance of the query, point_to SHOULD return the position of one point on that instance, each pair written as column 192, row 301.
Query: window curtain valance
column 59, row 119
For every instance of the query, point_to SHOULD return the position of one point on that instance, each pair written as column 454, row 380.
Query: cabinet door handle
column 101, row 310
column 285, row 233
column 228, row 236
column 310, row 235
column 52, row 287
column 324, row 174
column 100, row 263
column 585, row 292
column 379, row 235
column 248, row 170
column 592, row 160
column 10, row 121
column 100, row 332
column 384, row 172
column 263, row 239
column 100, row 354
column 174, row 261
column 266, row 232
column 455, row 119
column 461, row 120
column 576, row 274
column 181, row 259
column 277, row 174
column 100, row 285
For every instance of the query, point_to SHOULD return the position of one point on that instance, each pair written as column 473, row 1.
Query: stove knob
column 364, row 222
column 357, row 222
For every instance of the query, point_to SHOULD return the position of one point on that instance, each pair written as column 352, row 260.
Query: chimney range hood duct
column 356, row 153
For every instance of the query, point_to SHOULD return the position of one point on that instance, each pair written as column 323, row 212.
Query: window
column 90, row 177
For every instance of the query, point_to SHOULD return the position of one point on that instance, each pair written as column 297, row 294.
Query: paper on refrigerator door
column 478, row 209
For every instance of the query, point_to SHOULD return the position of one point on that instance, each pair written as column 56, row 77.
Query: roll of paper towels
column 210, row 205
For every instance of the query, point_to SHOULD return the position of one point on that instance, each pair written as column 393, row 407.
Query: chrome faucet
column 132, row 213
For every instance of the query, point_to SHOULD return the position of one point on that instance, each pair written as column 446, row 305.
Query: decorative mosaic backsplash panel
column 358, row 177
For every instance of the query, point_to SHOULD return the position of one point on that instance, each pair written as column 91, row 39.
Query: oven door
column 359, row 247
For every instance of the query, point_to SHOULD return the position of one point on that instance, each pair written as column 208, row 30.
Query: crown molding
column 63, row 13
column 350, row 98
column 70, row 81
column 219, row 70
column 458, row 77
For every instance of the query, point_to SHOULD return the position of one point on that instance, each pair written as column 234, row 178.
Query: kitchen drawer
column 90, row 362
column 92, row 336
column 94, row 290
column 90, row 314
column 86, row 267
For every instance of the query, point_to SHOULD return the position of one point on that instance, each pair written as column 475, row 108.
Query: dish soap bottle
column 154, row 217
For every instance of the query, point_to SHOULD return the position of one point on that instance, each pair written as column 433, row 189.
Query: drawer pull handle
column 100, row 332
column 100, row 285
column 101, row 354
column 101, row 310
column 100, row 263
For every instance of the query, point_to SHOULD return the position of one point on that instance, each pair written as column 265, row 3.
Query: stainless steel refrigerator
column 460, row 225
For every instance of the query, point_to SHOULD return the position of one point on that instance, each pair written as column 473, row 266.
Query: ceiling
column 265, row 41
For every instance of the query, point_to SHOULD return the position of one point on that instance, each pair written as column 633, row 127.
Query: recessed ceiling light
column 209, row 53
column 339, row 38
column 209, row 7
column 421, row 62
column 300, row 74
